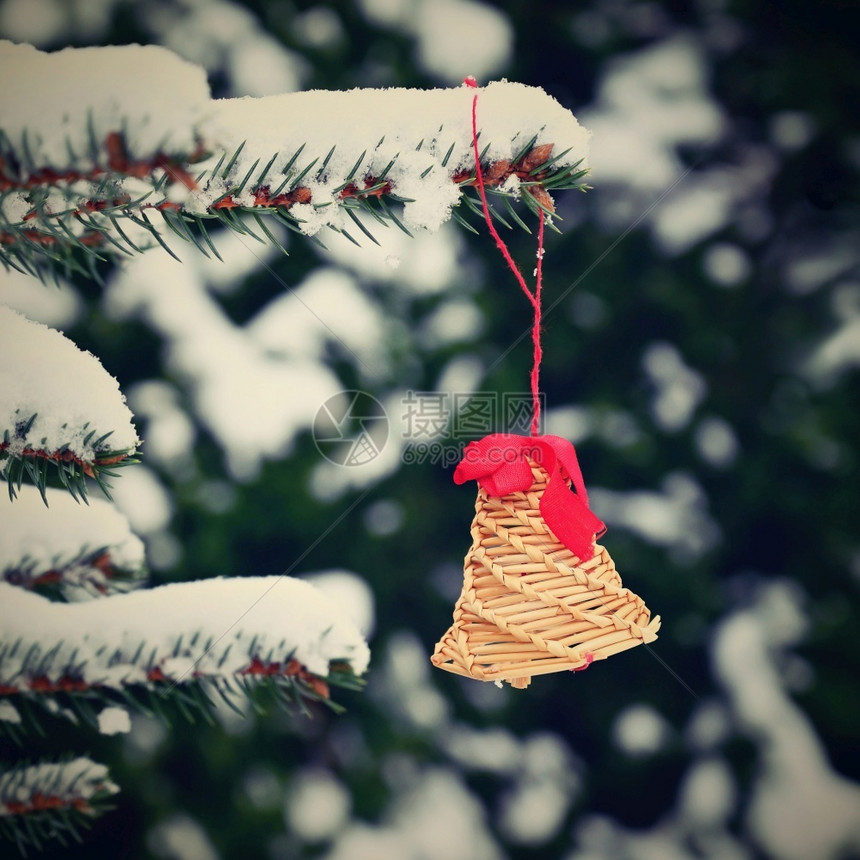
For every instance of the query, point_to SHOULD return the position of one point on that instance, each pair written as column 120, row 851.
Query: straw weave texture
column 529, row 606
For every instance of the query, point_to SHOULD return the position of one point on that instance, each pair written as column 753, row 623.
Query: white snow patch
column 79, row 778
column 148, row 734
column 9, row 713
column 389, row 13
column 318, row 27
column 699, row 208
column 435, row 817
column 253, row 400
column 210, row 627
column 669, row 839
column 407, row 692
column 143, row 499
column 262, row 787
column 676, row 517
column 441, row 795
column 317, row 805
column 708, row 794
column 512, row 185
column 351, row 593
column 327, row 309
column 114, row 721
column 792, row 130
column 726, row 264
column 462, row 374
column 37, row 22
column 535, row 808
column 384, row 517
column 716, row 442
column 180, row 837
column 800, row 806
column 14, row 208
column 67, row 537
column 445, row 31
column 575, row 423
column 840, row 350
column 54, row 305
column 415, row 129
column 808, row 268
column 648, row 102
column 67, row 389
column 447, row 47
column 59, row 96
column 455, row 321
column 426, row 263
column 708, row 200
column 679, row 389
column 709, row 727
column 618, row 428
column 226, row 38
column 494, row 750
column 640, row 730
column 167, row 429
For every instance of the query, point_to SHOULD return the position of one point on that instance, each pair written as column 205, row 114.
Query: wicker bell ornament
column 538, row 594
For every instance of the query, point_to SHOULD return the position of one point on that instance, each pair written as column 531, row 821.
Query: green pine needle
column 67, row 239
column 232, row 161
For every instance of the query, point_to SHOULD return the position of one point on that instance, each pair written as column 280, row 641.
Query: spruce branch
column 61, row 413
column 67, row 551
column 44, row 802
column 285, row 684
column 92, row 573
column 118, row 182
column 185, row 642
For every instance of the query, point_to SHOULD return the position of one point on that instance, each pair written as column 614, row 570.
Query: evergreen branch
column 57, row 380
column 64, row 657
column 288, row 685
column 59, row 240
column 92, row 574
column 64, row 551
column 66, row 204
column 41, row 803
column 71, row 471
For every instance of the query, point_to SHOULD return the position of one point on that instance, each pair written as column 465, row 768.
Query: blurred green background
column 702, row 344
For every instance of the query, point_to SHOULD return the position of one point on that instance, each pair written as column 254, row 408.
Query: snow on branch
column 226, row 634
column 101, row 148
column 77, row 552
column 44, row 801
column 63, row 104
column 412, row 145
column 59, row 409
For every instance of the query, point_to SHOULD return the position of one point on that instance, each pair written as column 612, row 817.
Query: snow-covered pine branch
column 75, row 551
column 222, row 635
column 94, row 159
column 51, row 800
column 59, row 408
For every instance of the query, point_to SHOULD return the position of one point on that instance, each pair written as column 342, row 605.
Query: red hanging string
column 534, row 298
column 538, row 350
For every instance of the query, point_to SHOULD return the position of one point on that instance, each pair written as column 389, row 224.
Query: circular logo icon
column 350, row 428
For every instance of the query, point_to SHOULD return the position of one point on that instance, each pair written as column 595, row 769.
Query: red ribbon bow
column 499, row 464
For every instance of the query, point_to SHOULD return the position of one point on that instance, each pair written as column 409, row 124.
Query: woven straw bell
column 529, row 604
